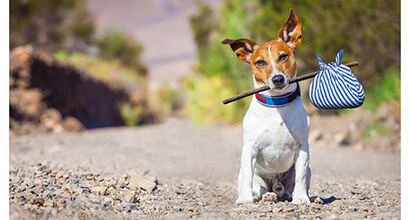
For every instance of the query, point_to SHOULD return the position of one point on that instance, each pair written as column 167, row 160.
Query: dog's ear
column 291, row 32
column 243, row 48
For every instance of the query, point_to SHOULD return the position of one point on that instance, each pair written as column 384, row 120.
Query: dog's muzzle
column 278, row 80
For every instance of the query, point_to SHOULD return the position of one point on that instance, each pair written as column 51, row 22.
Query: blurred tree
column 115, row 45
column 368, row 31
column 50, row 24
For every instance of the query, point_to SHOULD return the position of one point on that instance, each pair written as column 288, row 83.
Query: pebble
column 16, row 180
column 140, row 181
column 128, row 206
column 288, row 210
column 47, row 171
column 48, row 203
column 30, row 184
column 100, row 190
column 72, row 192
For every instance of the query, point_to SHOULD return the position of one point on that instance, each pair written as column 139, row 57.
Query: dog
column 275, row 154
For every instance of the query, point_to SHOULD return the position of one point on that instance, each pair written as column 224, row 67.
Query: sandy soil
column 182, row 156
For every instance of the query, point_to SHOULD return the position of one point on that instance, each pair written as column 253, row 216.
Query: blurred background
column 87, row 64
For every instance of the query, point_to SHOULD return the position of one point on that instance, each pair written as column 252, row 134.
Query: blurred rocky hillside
column 51, row 96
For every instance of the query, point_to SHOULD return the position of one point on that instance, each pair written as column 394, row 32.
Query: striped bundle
column 335, row 86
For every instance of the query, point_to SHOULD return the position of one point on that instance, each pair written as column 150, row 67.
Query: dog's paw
column 244, row 201
column 301, row 200
column 269, row 197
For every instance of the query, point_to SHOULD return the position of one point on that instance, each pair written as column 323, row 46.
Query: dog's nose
column 278, row 80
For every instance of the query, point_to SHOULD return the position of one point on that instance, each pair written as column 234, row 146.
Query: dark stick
column 263, row 88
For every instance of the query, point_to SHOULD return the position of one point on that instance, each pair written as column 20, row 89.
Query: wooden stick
column 263, row 88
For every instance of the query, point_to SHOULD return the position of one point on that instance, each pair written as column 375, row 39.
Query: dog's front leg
column 246, row 173
column 300, row 192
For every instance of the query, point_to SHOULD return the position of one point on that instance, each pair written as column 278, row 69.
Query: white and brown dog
column 275, row 154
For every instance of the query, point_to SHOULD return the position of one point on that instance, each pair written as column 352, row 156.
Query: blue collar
column 278, row 101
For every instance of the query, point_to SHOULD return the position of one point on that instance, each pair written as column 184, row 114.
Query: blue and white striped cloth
column 335, row 86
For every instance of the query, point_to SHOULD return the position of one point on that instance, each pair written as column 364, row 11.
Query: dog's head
column 273, row 63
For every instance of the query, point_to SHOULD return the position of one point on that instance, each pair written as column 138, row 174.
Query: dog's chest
column 275, row 134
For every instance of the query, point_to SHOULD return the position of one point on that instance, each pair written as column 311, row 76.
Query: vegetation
column 50, row 25
column 115, row 45
column 66, row 29
column 388, row 89
column 368, row 32
column 375, row 129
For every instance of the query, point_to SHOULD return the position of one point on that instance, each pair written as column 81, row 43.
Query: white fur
column 275, row 154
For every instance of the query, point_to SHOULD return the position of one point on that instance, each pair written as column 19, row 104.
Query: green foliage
column 204, row 23
column 224, row 75
column 115, row 45
column 129, row 115
column 369, row 32
column 375, row 129
column 50, row 24
column 205, row 95
column 60, row 54
column 165, row 100
column 109, row 71
column 388, row 89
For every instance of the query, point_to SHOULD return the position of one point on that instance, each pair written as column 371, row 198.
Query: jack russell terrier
column 275, row 154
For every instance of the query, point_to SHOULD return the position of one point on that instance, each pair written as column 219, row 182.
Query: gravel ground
column 176, row 170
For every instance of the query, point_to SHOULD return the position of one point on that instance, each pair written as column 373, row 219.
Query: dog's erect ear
column 291, row 32
column 242, row 47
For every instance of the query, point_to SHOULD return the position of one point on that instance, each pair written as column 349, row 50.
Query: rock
column 108, row 199
column 72, row 124
column 48, row 203
column 40, row 201
column 277, row 209
column 129, row 197
column 30, row 184
column 128, row 206
column 27, row 102
column 16, row 180
column 140, row 181
column 47, row 171
column 100, row 190
column 104, row 205
column 52, row 115
column 124, row 196
column 122, row 184
column 288, row 210
column 110, row 190
column 315, row 135
column 388, row 110
column 94, row 199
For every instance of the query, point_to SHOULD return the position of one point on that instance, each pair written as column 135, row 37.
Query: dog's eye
column 260, row 63
column 283, row 57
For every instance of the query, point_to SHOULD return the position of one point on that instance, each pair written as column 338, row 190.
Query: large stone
column 49, row 203
column 124, row 196
column 72, row 124
column 140, row 181
column 99, row 190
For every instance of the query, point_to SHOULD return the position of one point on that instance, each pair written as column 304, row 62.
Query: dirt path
column 177, row 152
